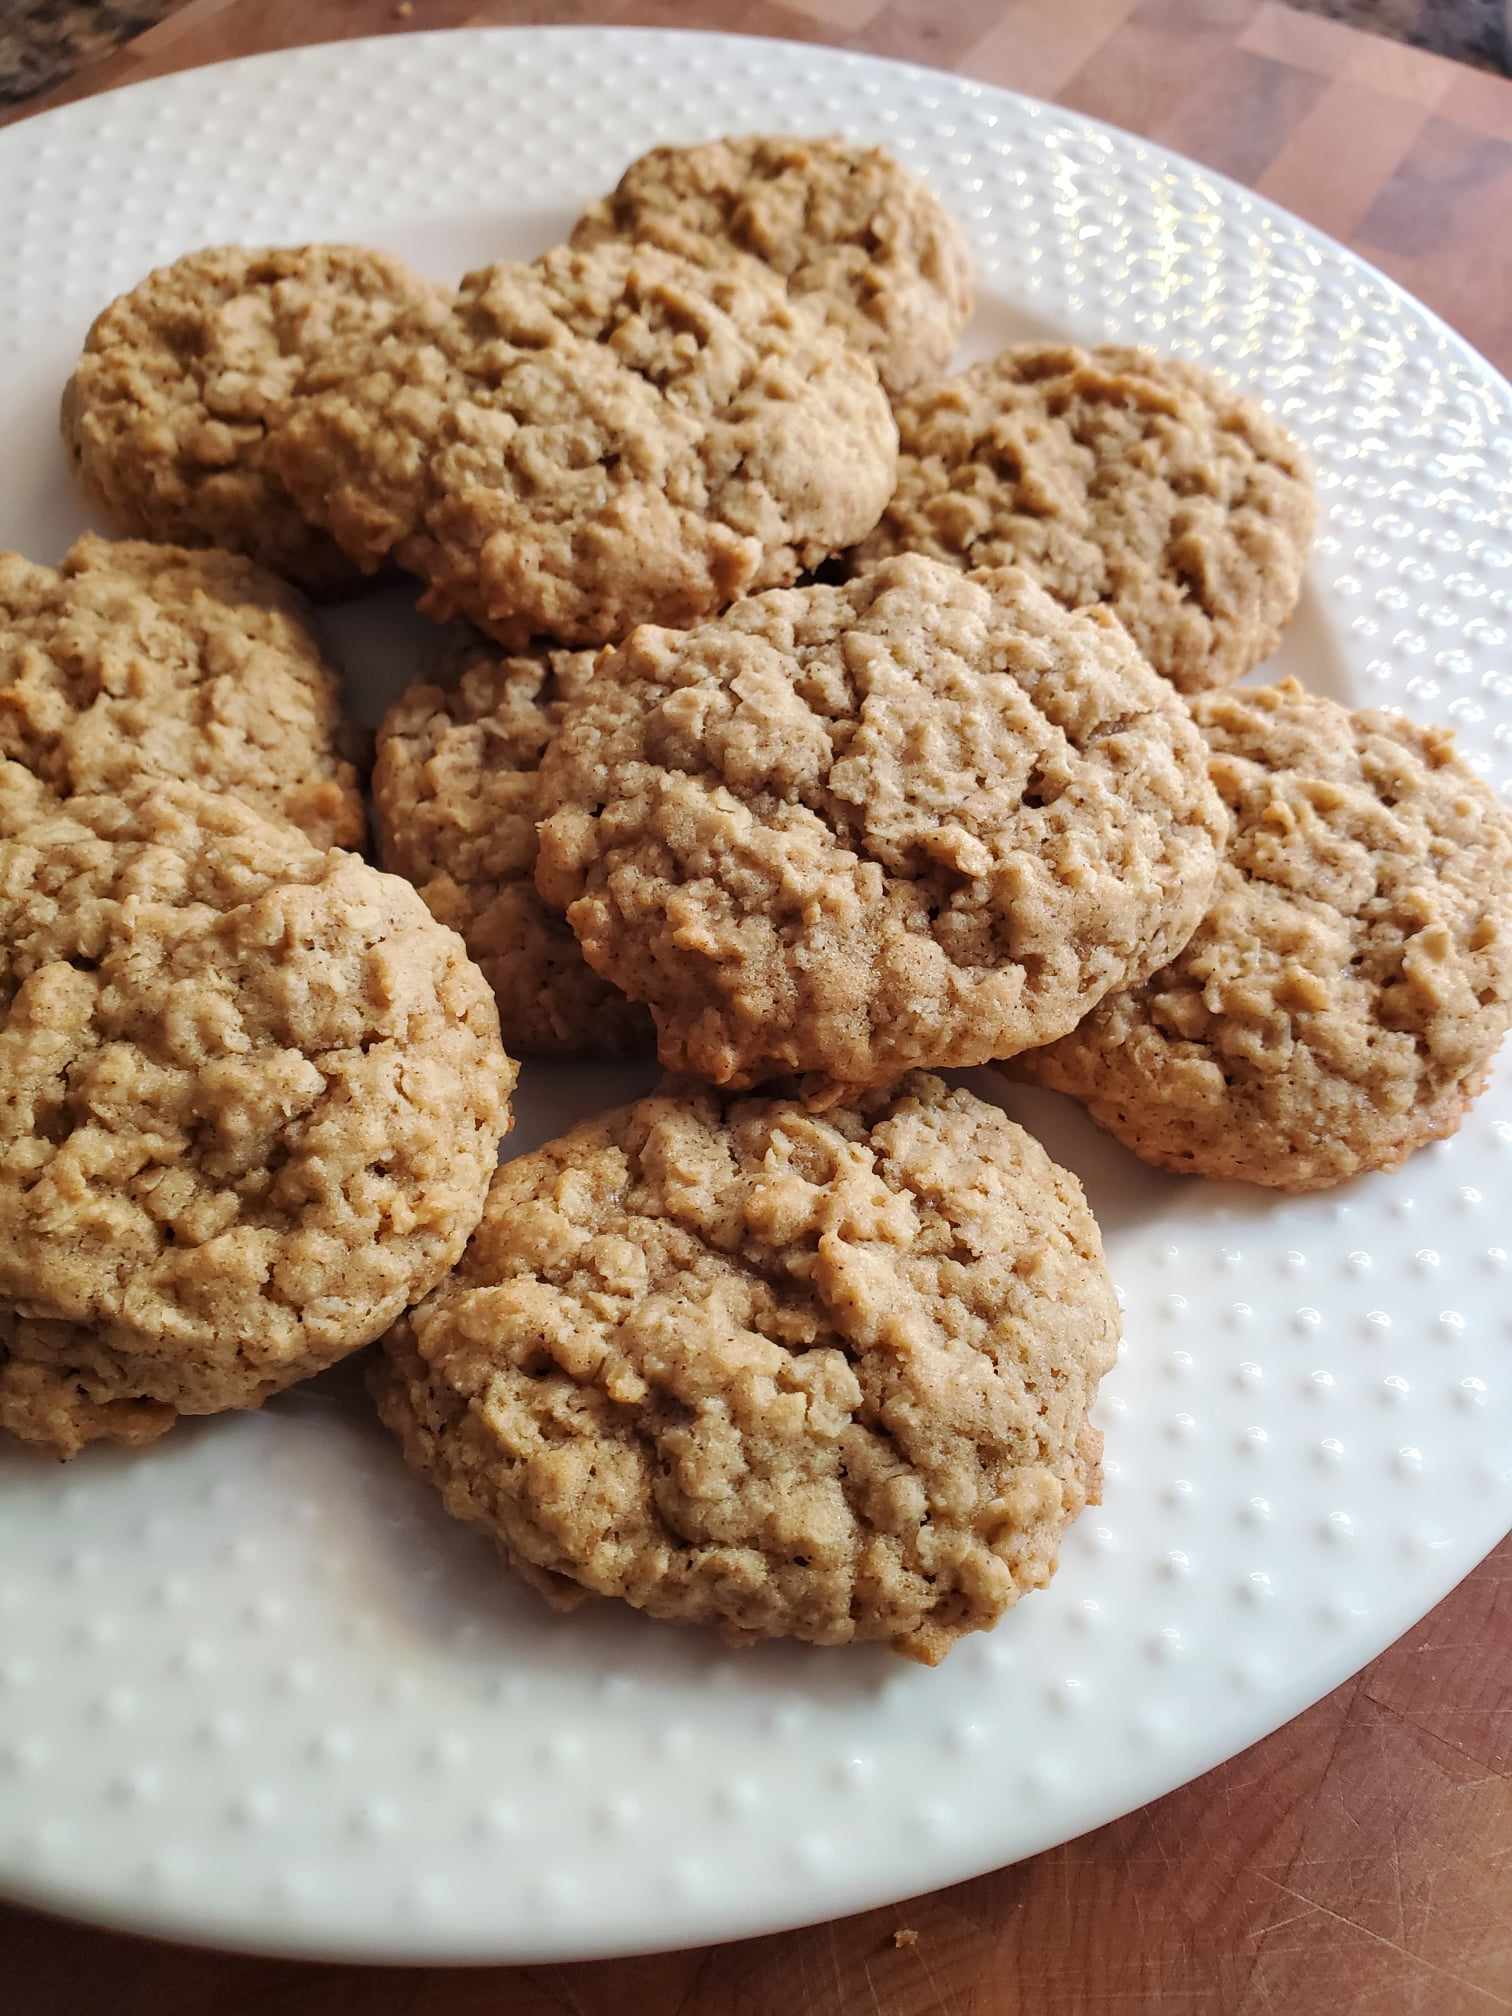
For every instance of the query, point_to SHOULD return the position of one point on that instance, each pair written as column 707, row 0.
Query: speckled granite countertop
column 1472, row 31
column 41, row 41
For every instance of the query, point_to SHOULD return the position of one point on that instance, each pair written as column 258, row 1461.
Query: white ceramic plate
column 254, row 1687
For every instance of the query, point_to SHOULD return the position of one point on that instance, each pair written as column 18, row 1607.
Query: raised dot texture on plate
column 426, row 1764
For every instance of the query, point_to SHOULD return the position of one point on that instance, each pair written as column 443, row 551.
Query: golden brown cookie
column 62, row 1387
column 847, row 228
column 168, row 412
column 597, row 440
column 1119, row 477
column 735, row 1363
column 133, row 660
column 252, row 1098
column 456, row 798
column 24, row 798
column 1343, row 998
column 925, row 818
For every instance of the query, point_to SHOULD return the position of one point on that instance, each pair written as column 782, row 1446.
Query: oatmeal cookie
column 24, row 799
column 455, row 792
column 61, row 1388
column 1119, row 477
column 133, row 660
column 252, row 1098
column 168, row 412
column 736, row 1363
column 1343, row 998
column 597, row 440
column 845, row 226
column 924, row 818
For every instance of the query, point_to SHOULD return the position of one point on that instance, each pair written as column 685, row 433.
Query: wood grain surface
column 1358, row 1862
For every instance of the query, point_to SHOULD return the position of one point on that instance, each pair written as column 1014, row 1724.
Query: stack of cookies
column 821, row 719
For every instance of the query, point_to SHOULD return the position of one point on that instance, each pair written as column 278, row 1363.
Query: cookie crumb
column 906, row 1935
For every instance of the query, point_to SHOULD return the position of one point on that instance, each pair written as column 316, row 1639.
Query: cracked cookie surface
column 823, row 1377
column 1119, row 477
column 61, row 1389
column 596, row 440
column 1342, row 1000
column 456, row 792
column 252, row 1098
column 846, row 227
column 134, row 660
column 168, row 413
column 925, row 818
